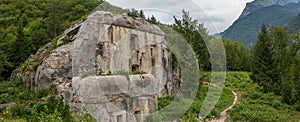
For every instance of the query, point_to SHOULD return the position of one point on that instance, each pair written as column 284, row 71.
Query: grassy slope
column 225, row 100
column 253, row 105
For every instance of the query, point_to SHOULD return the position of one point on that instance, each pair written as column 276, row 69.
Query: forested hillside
column 197, row 35
column 245, row 29
column 26, row 25
column 294, row 25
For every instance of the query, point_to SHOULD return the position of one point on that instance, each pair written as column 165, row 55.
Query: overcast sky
column 217, row 15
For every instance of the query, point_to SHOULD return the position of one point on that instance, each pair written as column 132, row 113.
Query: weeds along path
column 224, row 114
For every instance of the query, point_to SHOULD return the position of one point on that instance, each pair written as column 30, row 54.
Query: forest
column 267, row 75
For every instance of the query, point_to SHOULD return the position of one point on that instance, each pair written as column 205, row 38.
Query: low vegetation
column 41, row 105
column 253, row 104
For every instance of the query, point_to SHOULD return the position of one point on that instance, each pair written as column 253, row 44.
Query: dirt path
column 224, row 115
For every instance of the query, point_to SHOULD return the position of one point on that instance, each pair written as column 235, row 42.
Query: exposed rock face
column 107, row 43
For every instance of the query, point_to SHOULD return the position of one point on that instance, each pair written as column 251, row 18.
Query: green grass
column 225, row 100
column 253, row 104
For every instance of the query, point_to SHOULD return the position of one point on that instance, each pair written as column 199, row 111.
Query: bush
column 27, row 104
column 52, row 117
column 41, row 93
column 138, row 72
column 6, row 99
column 27, row 95
column 297, row 106
column 51, row 110
column 277, row 104
column 109, row 73
column 53, row 89
column 19, row 110
column 254, row 94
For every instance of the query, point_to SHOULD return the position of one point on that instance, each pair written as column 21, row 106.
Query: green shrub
column 297, row 106
column 52, row 117
column 41, row 93
column 53, row 89
column 254, row 94
column 100, row 72
column 165, row 101
column 27, row 95
column 19, row 110
column 138, row 72
column 27, row 104
column 3, row 90
column 52, row 109
column 109, row 73
column 277, row 104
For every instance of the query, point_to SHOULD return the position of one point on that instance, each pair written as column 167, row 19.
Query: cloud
column 217, row 15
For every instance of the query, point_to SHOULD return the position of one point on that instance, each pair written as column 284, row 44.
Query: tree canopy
column 25, row 26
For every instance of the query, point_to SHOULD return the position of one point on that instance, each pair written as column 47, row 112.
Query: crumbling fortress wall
column 88, row 70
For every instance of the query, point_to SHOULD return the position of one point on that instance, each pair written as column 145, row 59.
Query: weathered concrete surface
column 107, row 43
column 117, row 95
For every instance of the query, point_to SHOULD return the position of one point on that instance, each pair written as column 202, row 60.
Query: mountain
column 259, row 4
column 246, row 28
column 294, row 25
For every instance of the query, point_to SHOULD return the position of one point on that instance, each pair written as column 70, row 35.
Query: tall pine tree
column 262, row 60
column 195, row 34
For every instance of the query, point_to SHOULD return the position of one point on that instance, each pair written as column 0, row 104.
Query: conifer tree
column 281, row 55
column 262, row 60
column 195, row 34
column 152, row 20
column 291, row 84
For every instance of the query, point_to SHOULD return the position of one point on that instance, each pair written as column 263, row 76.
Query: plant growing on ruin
column 100, row 72
column 124, row 73
column 109, row 73
column 139, row 72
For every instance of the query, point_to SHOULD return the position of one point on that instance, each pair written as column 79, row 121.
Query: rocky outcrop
column 85, row 69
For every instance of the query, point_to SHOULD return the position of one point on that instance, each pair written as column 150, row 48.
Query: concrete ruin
column 87, row 70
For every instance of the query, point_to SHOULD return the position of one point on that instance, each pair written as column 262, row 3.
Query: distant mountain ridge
column 294, row 25
column 259, row 4
column 275, row 12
